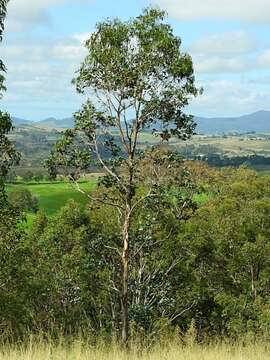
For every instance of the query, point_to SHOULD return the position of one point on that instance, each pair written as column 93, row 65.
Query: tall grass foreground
column 79, row 350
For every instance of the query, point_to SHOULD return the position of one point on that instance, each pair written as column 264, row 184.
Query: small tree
column 8, row 154
column 3, row 11
column 137, row 80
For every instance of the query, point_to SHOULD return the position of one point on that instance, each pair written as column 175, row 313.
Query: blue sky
column 229, row 42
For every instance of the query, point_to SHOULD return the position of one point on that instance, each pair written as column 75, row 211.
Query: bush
column 22, row 199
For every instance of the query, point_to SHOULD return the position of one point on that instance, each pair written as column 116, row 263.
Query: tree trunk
column 253, row 282
column 125, row 274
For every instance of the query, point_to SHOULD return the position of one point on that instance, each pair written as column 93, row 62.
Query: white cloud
column 229, row 52
column 236, row 42
column 247, row 10
column 69, row 49
column 25, row 12
column 68, row 52
column 22, row 13
column 39, row 75
column 82, row 37
column 230, row 98
column 264, row 58
column 216, row 64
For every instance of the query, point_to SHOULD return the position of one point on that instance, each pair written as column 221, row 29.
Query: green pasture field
column 53, row 196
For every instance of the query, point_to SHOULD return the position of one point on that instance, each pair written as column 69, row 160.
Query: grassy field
column 53, row 196
column 80, row 351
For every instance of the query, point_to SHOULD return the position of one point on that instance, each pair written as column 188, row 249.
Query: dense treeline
column 221, row 160
column 209, row 268
column 215, row 157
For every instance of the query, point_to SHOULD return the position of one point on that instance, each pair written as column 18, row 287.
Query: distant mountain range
column 255, row 122
column 51, row 123
column 258, row 122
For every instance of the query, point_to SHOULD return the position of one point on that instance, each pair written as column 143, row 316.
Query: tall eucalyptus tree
column 137, row 79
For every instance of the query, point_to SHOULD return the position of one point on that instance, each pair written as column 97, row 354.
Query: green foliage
column 139, row 60
column 67, row 274
column 229, row 241
column 8, row 155
column 13, row 276
column 140, row 78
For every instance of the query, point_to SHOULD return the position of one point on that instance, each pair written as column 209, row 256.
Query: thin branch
column 109, row 171
column 92, row 198
column 115, row 249
column 182, row 312
column 141, row 200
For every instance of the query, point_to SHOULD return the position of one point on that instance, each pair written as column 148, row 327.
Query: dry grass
column 79, row 351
